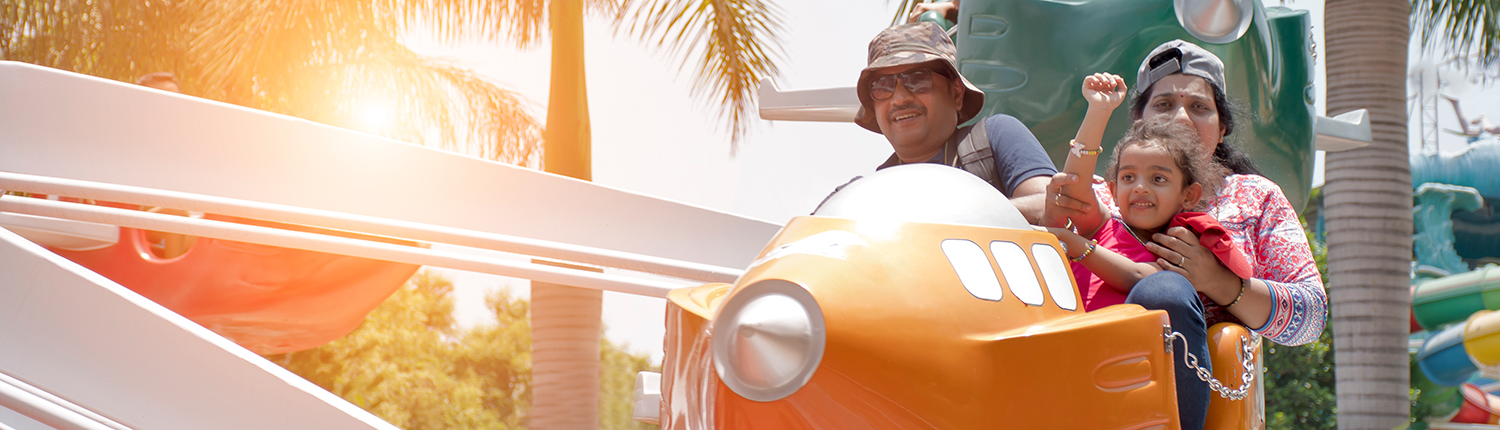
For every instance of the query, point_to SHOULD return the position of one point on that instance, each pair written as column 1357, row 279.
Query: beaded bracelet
column 1078, row 151
column 1086, row 251
column 1242, row 293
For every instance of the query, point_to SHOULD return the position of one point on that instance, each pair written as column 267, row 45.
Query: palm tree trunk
column 1369, row 213
column 565, row 320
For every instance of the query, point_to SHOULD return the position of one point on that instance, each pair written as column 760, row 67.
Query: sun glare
column 373, row 116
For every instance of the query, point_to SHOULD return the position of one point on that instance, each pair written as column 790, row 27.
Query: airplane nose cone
column 769, row 340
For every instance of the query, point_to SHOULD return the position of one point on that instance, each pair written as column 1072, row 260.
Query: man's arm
column 1029, row 198
column 1021, row 163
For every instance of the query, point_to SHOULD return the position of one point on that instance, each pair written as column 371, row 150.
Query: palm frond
column 498, row 125
column 735, row 42
column 904, row 10
column 333, row 61
column 521, row 22
column 314, row 59
column 1460, row 26
column 140, row 36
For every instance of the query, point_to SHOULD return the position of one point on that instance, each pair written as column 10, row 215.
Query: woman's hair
column 1181, row 143
column 1225, row 153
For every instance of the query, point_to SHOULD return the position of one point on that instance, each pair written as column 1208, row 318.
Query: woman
column 1284, row 300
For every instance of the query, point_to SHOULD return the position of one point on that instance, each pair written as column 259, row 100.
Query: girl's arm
column 1104, row 92
column 1114, row 269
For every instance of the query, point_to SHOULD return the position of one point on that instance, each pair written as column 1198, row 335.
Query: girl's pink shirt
column 1265, row 227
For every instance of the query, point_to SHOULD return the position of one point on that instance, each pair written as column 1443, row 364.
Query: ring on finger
column 1181, row 259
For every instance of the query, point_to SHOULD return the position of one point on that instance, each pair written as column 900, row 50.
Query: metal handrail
column 49, row 409
column 366, row 224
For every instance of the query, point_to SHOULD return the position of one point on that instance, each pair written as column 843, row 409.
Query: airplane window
column 1055, row 273
column 973, row 268
column 1016, row 267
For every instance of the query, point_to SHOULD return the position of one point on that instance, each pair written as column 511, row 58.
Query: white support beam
column 84, row 338
column 828, row 104
column 1346, row 131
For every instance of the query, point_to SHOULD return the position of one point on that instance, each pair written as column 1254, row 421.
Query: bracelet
column 1242, row 293
column 1078, row 151
column 1086, row 252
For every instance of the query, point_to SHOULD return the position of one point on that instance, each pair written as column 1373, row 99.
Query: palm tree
column 1369, row 194
column 1369, row 213
column 1368, row 205
column 736, row 39
column 332, row 60
column 336, row 62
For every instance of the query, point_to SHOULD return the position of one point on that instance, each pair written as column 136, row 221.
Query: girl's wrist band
column 1078, row 151
column 1086, row 252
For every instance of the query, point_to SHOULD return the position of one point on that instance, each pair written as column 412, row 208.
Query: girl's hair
column 1225, row 153
column 1181, row 143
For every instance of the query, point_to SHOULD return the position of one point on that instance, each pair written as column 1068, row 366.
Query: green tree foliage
column 1300, row 379
column 409, row 364
column 1461, row 27
column 337, row 62
column 331, row 60
column 617, row 370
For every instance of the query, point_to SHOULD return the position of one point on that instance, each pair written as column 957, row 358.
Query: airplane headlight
column 768, row 340
column 1215, row 21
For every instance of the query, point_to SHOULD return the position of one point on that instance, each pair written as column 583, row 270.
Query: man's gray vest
column 974, row 154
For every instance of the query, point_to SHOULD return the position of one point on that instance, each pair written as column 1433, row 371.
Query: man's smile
column 903, row 113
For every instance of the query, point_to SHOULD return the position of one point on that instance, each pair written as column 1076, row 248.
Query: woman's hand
column 1180, row 252
column 1104, row 91
column 1060, row 208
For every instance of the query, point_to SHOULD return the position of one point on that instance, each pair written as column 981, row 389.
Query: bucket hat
column 1179, row 56
column 914, row 43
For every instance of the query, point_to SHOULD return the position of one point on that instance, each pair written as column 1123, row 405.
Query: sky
column 651, row 136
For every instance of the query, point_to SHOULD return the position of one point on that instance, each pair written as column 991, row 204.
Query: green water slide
column 1450, row 299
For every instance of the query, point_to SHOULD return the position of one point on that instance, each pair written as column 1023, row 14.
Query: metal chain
column 1247, row 359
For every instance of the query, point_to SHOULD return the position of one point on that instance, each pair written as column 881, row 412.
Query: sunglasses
column 916, row 81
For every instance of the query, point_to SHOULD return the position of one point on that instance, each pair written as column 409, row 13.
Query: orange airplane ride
column 918, row 297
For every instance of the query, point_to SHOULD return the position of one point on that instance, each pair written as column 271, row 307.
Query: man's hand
column 1104, row 91
column 1027, row 198
column 1058, row 207
column 947, row 9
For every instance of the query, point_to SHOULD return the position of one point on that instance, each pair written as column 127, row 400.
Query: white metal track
column 332, row 245
column 74, row 334
column 365, row 224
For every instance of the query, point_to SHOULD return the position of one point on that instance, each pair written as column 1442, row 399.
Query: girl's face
column 1189, row 100
column 1149, row 188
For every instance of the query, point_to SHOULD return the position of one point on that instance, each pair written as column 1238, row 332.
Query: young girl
column 1158, row 174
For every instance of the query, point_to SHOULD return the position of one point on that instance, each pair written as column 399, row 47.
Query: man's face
column 917, row 125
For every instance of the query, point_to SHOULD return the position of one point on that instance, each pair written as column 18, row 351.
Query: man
column 163, row 244
column 159, row 80
column 912, row 93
